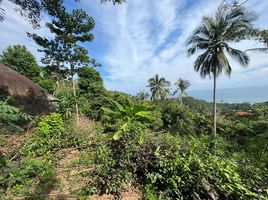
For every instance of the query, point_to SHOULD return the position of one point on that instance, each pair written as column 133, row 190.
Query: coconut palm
column 212, row 38
column 182, row 86
column 2, row 12
column 159, row 87
column 142, row 96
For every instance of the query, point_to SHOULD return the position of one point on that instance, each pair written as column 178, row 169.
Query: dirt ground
column 67, row 179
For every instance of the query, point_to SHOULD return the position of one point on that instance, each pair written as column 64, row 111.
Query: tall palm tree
column 159, row 87
column 142, row 96
column 212, row 39
column 182, row 86
column 2, row 12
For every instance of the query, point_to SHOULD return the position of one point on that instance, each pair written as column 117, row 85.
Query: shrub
column 192, row 172
column 11, row 116
column 19, row 177
column 47, row 136
column 52, row 134
column 181, row 120
column 48, row 84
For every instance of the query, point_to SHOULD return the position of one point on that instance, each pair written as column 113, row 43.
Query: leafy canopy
column 69, row 29
column 19, row 58
column 182, row 86
column 159, row 87
column 212, row 37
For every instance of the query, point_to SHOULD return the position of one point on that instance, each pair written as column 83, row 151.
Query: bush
column 194, row 173
column 181, row 120
column 47, row 137
column 172, row 167
column 19, row 177
column 48, row 84
column 52, row 134
column 11, row 117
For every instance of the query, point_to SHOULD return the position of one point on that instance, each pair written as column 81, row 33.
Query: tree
column 142, row 96
column 182, row 86
column 159, row 87
column 90, row 82
column 19, row 58
column 92, row 93
column 212, row 39
column 69, row 29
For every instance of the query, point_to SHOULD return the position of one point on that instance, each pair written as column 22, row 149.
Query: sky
column 140, row 38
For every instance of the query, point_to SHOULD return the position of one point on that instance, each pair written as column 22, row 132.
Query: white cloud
column 148, row 37
column 141, row 38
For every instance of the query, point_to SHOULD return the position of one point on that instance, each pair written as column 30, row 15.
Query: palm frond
column 262, row 50
column 240, row 56
column 224, row 64
column 2, row 14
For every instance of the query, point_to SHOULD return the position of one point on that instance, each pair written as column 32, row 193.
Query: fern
column 10, row 115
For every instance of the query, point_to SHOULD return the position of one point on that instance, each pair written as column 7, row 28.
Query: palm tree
column 212, row 39
column 142, row 96
column 2, row 12
column 182, row 86
column 159, row 87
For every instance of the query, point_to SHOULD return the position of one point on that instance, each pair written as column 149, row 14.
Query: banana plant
column 128, row 114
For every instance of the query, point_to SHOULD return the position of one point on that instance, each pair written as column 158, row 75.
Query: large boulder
column 29, row 96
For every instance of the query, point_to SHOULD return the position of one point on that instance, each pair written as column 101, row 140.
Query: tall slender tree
column 142, row 96
column 212, row 38
column 159, row 87
column 69, row 30
column 182, row 86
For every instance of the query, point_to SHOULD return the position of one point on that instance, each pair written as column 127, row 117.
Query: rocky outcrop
column 29, row 96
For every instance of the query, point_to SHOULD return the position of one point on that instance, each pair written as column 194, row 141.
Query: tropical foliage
column 19, row 58
column 124, row 144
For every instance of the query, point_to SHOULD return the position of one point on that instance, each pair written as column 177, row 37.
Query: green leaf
column 118, row 106
column 119, row 134
column 144, row 114
column 107, row 110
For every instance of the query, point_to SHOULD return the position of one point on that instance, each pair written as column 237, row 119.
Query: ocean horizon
column 233, row 95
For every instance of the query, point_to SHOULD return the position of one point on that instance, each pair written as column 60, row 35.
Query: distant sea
column 234, row 95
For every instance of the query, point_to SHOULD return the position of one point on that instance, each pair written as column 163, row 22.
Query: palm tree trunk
column 181, row 98
column 214, row 108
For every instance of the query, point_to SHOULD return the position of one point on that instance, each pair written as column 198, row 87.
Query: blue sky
column 140, row 38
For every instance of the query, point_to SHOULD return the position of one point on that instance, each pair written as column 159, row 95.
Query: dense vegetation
column 163, row 147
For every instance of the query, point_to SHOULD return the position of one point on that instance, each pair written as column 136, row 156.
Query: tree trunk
column 181, row 98
column 76, row 105
column 74, row 93
column 214, row 108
